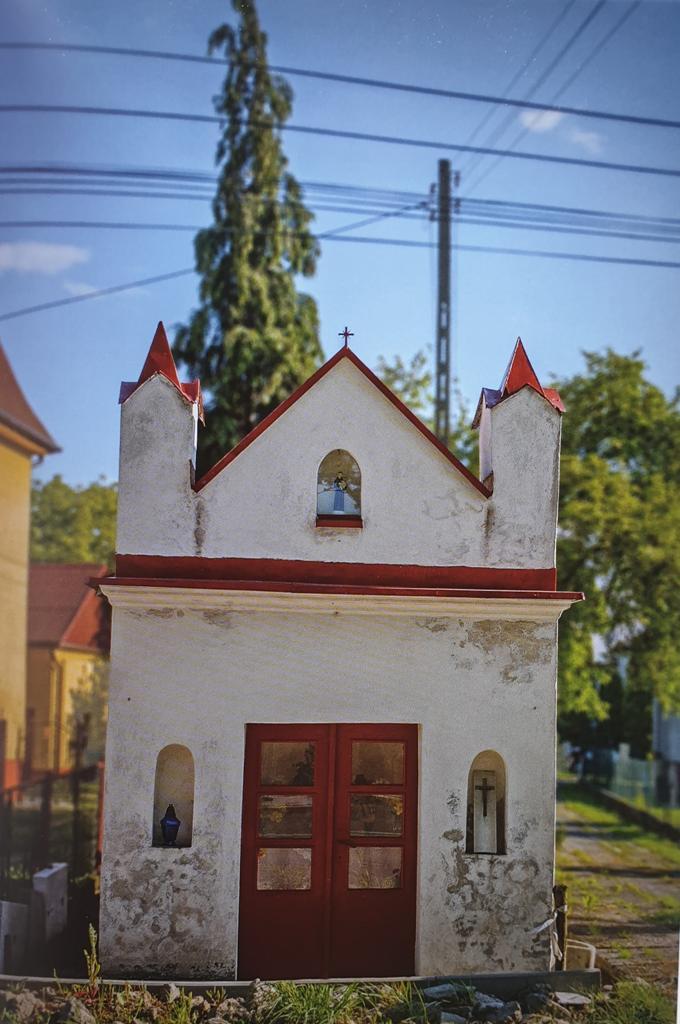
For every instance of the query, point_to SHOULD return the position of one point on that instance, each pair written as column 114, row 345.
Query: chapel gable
column 341, row 471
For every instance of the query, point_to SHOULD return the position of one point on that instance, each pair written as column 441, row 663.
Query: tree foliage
column 412, row 383
column 254, row 338
column 73, row 524
column 620, row 543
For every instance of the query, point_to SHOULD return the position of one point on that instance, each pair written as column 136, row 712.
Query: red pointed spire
column 159, row 359
column 520, row 373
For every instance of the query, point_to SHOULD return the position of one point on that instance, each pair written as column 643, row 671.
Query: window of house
column 173, row 801
column 485, row 831
column 338, row 492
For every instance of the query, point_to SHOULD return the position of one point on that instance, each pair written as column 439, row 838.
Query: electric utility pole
column 443, row 337
column 443, row 329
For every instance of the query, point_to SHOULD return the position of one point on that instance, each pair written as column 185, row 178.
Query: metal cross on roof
column 346, row 335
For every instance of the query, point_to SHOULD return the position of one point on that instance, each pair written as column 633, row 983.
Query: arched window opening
column 485, row 832
column 338, row 491
column 173, row 799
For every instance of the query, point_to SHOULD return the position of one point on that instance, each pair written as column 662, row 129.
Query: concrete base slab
column 504, row 985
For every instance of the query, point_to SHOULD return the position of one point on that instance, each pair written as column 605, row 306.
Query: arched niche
column 174, row 787
column 338, row 485
column 485, row 829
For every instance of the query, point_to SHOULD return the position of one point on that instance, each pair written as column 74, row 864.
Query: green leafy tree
column 73, row 524
column 411, row 381
column 254, row 338
column 620, row 543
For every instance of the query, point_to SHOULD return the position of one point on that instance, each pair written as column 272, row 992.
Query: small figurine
column 170, row 824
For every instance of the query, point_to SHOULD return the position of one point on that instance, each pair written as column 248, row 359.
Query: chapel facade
column 331, row 740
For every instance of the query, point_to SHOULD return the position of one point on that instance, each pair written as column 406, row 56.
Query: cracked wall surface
column 198, row 676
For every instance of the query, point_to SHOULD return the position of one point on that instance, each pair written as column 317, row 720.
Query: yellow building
column 23, row 439
column 68, row 645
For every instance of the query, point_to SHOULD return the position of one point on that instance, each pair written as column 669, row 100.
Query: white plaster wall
column 157, row 449
column 417, row 508
column 198, row 676
column 520, row 444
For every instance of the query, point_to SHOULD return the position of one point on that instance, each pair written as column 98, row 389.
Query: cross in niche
column 346, row 335
column 485, row 789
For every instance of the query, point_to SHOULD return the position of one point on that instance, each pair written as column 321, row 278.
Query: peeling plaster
column 435, row 625
column 200, row 514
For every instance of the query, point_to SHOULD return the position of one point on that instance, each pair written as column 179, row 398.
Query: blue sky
column 71, row 360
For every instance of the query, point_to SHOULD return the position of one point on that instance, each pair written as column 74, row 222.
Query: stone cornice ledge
column 528, row 609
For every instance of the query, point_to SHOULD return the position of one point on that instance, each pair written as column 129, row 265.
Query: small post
column 560, row 897
column 78, row 747
column 41, row 856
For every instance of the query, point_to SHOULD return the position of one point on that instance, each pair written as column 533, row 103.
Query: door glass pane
column 284, row 869
column 377, row 764
column 284, row 817
column 375, row 867
column 373, row 814
column 287, row 763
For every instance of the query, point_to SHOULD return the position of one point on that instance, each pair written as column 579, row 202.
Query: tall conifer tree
column 254, row 338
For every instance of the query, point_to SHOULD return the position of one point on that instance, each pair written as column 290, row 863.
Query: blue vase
column 170, row 824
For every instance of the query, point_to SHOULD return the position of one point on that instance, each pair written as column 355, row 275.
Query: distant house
column 68, row 639
column 23, row 439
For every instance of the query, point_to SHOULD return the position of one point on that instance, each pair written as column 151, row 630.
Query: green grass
column 632, row 1003
column 613, row 830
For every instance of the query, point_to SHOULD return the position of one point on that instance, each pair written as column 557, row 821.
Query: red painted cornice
column 336, row 574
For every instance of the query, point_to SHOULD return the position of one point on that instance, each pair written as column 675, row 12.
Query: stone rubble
column 446, row 1003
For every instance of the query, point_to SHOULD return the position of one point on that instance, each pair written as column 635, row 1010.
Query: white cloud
column 78, row 288
column 40, row 257
column 540, row 120
column 590, row 141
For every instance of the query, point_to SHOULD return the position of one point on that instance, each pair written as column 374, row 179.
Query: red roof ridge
column 519, row 374
column 343, row 353
column 160, row 360
column 16, row 412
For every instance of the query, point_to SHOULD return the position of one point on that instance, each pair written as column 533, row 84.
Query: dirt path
column 623, row 888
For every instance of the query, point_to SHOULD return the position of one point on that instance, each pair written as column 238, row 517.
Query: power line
column 521, row 71
column 597, row 49
column 563, row 88
column 582, row 27
column 395, row 140
column 543, row 253
column 518, row 225
column 409, row 243
column 377, row 83
column 353, row 193
column 95, row 294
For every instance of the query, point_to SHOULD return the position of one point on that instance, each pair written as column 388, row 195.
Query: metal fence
column 651, row 785
column 47, row 820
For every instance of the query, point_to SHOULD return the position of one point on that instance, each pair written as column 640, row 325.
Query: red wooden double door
column 328, row 865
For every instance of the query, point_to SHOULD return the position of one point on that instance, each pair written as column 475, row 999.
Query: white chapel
column 331, row 740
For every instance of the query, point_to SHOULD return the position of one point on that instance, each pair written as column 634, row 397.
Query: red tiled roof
column 160, row 360
column 16, row 413
column 519, row 374
column 63, row 611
